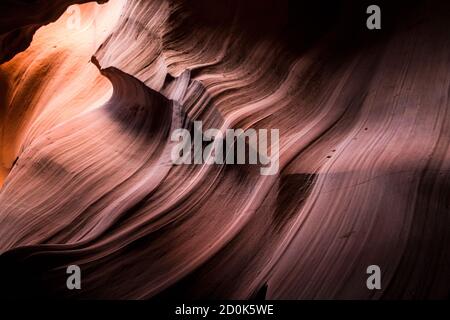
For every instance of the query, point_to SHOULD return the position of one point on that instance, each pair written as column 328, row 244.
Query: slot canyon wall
column 90, row 93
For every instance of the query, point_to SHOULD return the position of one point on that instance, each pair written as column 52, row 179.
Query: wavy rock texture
column 86, row 116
